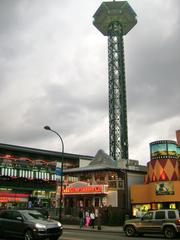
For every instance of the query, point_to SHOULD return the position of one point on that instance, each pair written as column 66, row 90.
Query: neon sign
column 86, row 189
column 9, row 199
column 15, row 195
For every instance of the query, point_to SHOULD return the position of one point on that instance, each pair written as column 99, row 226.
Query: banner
column 165, row 188
column 58, row 170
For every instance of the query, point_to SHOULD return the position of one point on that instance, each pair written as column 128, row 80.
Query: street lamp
column 61, row 178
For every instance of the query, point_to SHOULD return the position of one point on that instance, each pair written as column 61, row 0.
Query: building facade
column 103, row 183
column 28, row 174
column 161, row 188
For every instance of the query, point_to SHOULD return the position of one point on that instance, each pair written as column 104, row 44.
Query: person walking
column 81, row 218
column 87, row 218
column 92, row 219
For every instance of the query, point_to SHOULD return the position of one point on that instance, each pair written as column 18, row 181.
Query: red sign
column 5, row 194
column 87, row 189
column 9, row 199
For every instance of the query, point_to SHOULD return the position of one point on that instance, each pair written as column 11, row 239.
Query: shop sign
column 16, row 195
column 86, row 189
column 9, row 199
column 13, row 199
column 58, row 170
column 165, row 188
column 163, row 149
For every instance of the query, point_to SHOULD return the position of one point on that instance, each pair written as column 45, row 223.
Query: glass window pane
column 171, row 215
column 160, row 215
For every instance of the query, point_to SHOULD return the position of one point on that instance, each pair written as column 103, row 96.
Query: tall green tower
column 115, row 19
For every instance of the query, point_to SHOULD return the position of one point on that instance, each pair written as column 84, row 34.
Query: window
column 112, row 177
column 6, row 215
column 15, row 215
column 96, row 202
column 117, row 184
column 121, row 184
column 160, row 215
column 112, row 184
column 171, row 215
column 101, row 178
column 33, row 215
column 148, row 216
column 2, row 171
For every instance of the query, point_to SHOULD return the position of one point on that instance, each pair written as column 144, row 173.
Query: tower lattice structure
column 115, row 19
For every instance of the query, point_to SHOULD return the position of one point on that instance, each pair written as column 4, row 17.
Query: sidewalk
column 115, row 229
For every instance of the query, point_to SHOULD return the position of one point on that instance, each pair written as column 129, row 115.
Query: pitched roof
column 101, row 161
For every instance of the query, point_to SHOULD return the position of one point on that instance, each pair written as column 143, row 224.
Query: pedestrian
column 138, row 213
column 99, row 218
column 30, row 204
column 92, row 219
column 87, row 218
column 81, row 218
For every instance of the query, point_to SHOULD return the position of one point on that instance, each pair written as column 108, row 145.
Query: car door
column 159, row 219
column 145, row 226
column 10, row 224
column 17, row 224
column 5, row 222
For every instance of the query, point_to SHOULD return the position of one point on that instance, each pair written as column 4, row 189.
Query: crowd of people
column 87, row 218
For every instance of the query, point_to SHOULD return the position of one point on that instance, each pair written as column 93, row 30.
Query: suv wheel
column 169, row 232
column 28, row 235
column 130, row 231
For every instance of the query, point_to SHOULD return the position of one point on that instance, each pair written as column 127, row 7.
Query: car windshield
column 32, row 215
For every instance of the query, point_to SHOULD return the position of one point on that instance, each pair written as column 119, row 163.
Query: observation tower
column 115, row 19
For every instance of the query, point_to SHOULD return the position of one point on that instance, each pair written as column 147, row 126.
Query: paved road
column 70, row 234
column 86, row 235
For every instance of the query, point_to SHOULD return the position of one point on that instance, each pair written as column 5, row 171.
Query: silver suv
column 163, row 221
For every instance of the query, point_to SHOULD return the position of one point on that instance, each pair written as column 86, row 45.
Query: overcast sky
column 54, row 71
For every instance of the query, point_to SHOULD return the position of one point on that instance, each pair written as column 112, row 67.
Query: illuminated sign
column 165, row 188
column 163, row 149
column 86, row 189
column 9, row 199
column 15, row 195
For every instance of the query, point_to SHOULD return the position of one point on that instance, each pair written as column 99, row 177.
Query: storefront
column 11, row 200
column 161, row 188
column 33, row 172
column 102, row 183
column 80, row 194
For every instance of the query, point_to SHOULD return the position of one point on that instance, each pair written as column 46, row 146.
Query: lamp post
column 61, row 177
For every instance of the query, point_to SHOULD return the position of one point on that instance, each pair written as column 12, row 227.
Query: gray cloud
column 53, row 70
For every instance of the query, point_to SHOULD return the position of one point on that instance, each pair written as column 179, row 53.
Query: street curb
column 94, row 230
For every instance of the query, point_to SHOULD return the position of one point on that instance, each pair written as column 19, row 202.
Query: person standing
column 87, row 217
column 99, row 218
column 81, row 218
column 92, row 219
column 30, row 204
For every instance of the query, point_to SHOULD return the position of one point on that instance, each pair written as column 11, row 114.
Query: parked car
column 28, row 225
column 163, row 221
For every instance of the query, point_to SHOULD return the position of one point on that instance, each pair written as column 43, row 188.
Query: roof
column 101, row 161
column 41, row 151
column 89, row 169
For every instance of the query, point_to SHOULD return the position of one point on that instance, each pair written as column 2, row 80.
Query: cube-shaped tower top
column 116, row 11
